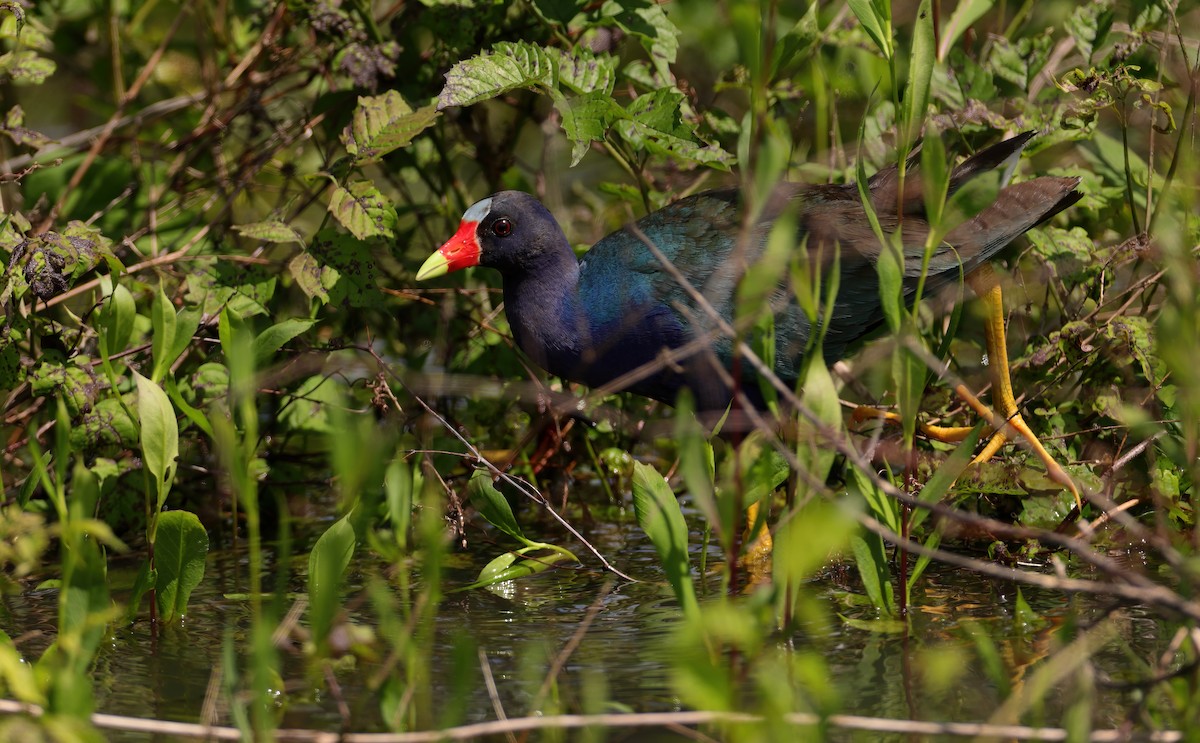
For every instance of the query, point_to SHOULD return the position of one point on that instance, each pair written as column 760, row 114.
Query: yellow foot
column 757, row 558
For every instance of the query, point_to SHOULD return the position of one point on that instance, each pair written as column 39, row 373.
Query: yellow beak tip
column 434, row 266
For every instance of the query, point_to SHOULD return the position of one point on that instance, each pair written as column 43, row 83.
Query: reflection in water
column 521, row 627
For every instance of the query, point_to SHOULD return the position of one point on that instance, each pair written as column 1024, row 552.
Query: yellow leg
column 945, row 434
column 1007, row 419
column 758, row 541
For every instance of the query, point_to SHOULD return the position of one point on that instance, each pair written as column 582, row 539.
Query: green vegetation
column 210, row 220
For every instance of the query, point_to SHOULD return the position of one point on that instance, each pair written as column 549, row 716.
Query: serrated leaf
column 180, row 547
column 383, row 123
column 26, row 67
column 363, row 210
column 583, row 72
column 311, row 277
column 271, row 230
column 508, row 66
column 647, row 21
column 587, row 119
column 357, row 279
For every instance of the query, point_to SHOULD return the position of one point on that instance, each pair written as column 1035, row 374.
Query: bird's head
column 507, row 231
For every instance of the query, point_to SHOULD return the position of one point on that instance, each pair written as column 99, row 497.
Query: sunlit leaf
column 383, row 123
column 492, row 505
column 180, row 548
column 327, row 562
column 508, row 66
column 659, row 516
column 271, row 230
column 273, row 338
column 363, row 210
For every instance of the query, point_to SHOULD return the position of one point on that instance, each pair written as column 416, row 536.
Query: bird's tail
column 1016, row 210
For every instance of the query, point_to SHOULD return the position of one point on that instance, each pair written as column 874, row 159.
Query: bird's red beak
column 459, row 252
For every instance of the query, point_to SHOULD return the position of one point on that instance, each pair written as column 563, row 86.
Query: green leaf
column 586, row 119
column 560, row 12
column 871, row 560
column 492, row 506
column 327, row 562
column 659, row 516
column 162, row 322
column 271, row 230
column 508, row 66
column 180, row 548
column 647, row 21
column 877, row 26
column 313, row 279
column 515, row 565
column 273, row 338
column 398, row 492
column 160, row 435
column 355, row 271
column 26, row 67
column 384, row 123
column 965, row 13
column 363, row 210
column 583, row 72
column 920, row 71
column 117, row 319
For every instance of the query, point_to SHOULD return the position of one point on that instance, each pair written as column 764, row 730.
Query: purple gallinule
column 608, row 317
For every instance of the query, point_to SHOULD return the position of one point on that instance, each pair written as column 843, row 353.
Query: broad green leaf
column 313, row 279
column 180, row 548
column 659, row 516
column 363, row 210
column 162, row 322
column 271, row 230
column 119, row 313
column 215, row 285
column 273, row 338
column 327, row 562
column 492, row 506
column 508, row 66
column 26, row 67
column 583, row 72
column 384, row 123
column 160, row 435
column 357, row 271
column 586, row 119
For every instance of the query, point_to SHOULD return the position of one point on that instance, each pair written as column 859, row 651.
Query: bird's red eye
column 502, row 227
